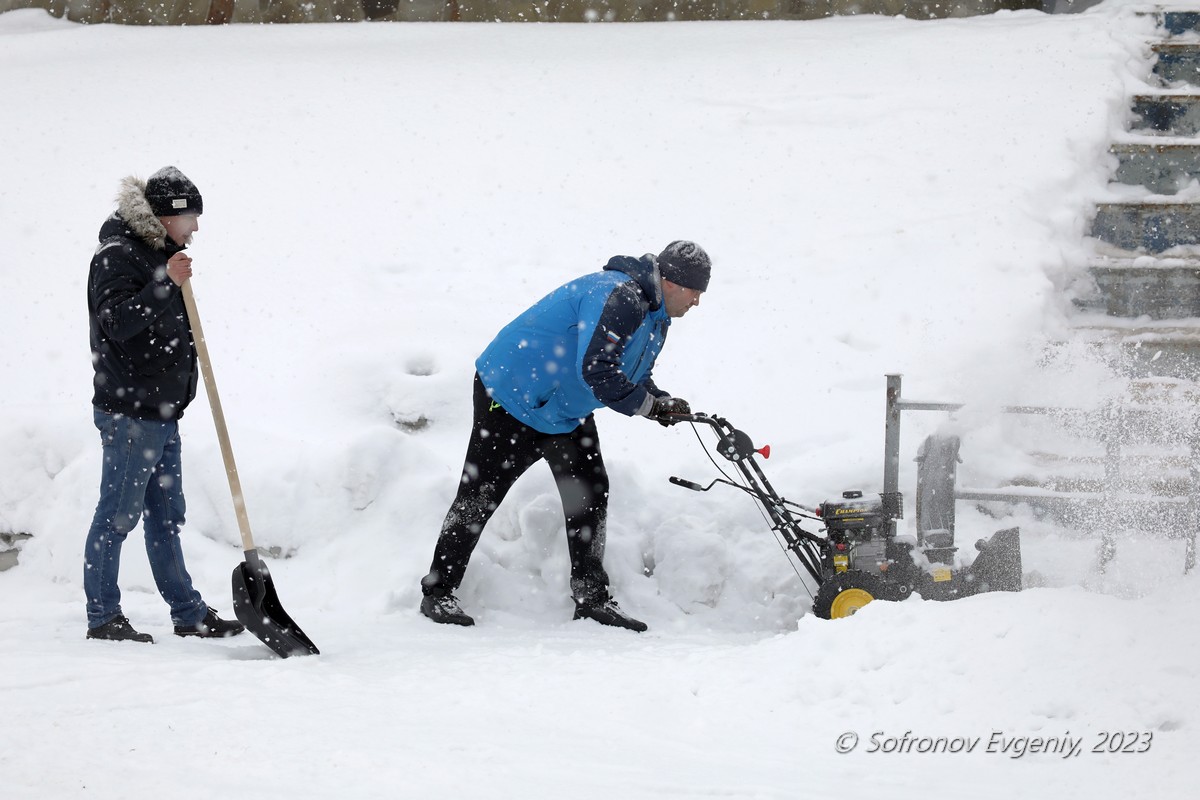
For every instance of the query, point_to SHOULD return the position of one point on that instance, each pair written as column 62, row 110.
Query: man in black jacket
column 146, row 373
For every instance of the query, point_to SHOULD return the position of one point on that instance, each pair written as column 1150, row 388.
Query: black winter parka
column 142, row 349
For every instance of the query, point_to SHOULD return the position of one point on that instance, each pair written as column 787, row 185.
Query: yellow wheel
column 845, row 593
column 849, row 601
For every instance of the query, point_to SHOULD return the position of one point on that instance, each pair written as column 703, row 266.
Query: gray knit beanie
column 686, row 264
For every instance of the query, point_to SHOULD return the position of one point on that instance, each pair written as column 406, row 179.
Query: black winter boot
column 605, row 610
column 211, row 627
column 445, row 610
column 118, row 629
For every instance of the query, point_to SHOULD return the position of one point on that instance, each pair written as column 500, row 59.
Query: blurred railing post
column 891, row 436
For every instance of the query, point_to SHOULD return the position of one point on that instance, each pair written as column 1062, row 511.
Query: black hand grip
column 695, row 487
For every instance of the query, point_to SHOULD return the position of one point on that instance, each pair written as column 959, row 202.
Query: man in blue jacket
column 590, row 343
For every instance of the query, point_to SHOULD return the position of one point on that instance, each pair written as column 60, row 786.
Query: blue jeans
column 142, row 478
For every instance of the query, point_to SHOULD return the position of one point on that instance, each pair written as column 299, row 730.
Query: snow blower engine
column 861, row 557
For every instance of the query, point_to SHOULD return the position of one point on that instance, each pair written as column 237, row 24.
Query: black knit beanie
column 686, row 264
column 171, row 194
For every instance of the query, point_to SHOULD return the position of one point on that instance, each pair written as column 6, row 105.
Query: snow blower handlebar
column 735, row 446
column 695, row 487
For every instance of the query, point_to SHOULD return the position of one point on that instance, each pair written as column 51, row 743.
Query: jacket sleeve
column 653, row 389
column 603, row 348
column 125, row 305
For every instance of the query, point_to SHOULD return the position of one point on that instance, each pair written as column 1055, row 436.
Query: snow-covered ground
column 879, row 195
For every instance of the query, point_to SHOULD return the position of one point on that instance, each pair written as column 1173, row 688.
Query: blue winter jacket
column 589, row 343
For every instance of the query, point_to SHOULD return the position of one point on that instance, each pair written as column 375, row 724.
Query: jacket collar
column 644, row 271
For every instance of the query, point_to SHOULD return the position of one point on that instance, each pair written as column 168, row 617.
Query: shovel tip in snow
column 257, row 606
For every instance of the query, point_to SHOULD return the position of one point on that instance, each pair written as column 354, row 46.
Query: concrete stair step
column 1174, row 114
column 1167, row 431
column 1169, row 517
column 1153, row 291
column 1164, row 392
column 1161, row 168
column 1091, row 467
column 1150, row 226
column 1179, row 485
column 1177, row 62
column 1151, row 493
column 1179, row 22
column 1168, row 351
column 1155, row 421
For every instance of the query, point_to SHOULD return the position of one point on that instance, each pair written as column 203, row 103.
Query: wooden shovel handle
column 214, row 402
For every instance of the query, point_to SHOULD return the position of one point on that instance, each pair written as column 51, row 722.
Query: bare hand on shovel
column 255, row 601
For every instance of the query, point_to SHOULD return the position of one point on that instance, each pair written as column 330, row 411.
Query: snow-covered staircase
column 1142, row 313
column 1145, row 307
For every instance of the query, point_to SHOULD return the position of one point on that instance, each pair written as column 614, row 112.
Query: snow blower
column 858, row 556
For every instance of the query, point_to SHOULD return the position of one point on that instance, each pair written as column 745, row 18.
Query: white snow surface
column 878, row 195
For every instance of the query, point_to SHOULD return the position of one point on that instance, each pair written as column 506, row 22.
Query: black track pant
column 500, row 450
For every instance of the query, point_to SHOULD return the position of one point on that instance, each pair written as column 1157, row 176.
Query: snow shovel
column 255, row 601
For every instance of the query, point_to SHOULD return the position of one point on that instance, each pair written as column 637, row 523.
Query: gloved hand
column 665, row 408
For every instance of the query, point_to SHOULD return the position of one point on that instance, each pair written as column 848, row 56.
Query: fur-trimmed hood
column 134, row 210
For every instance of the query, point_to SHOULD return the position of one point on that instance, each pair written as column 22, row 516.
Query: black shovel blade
column 257, row 606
